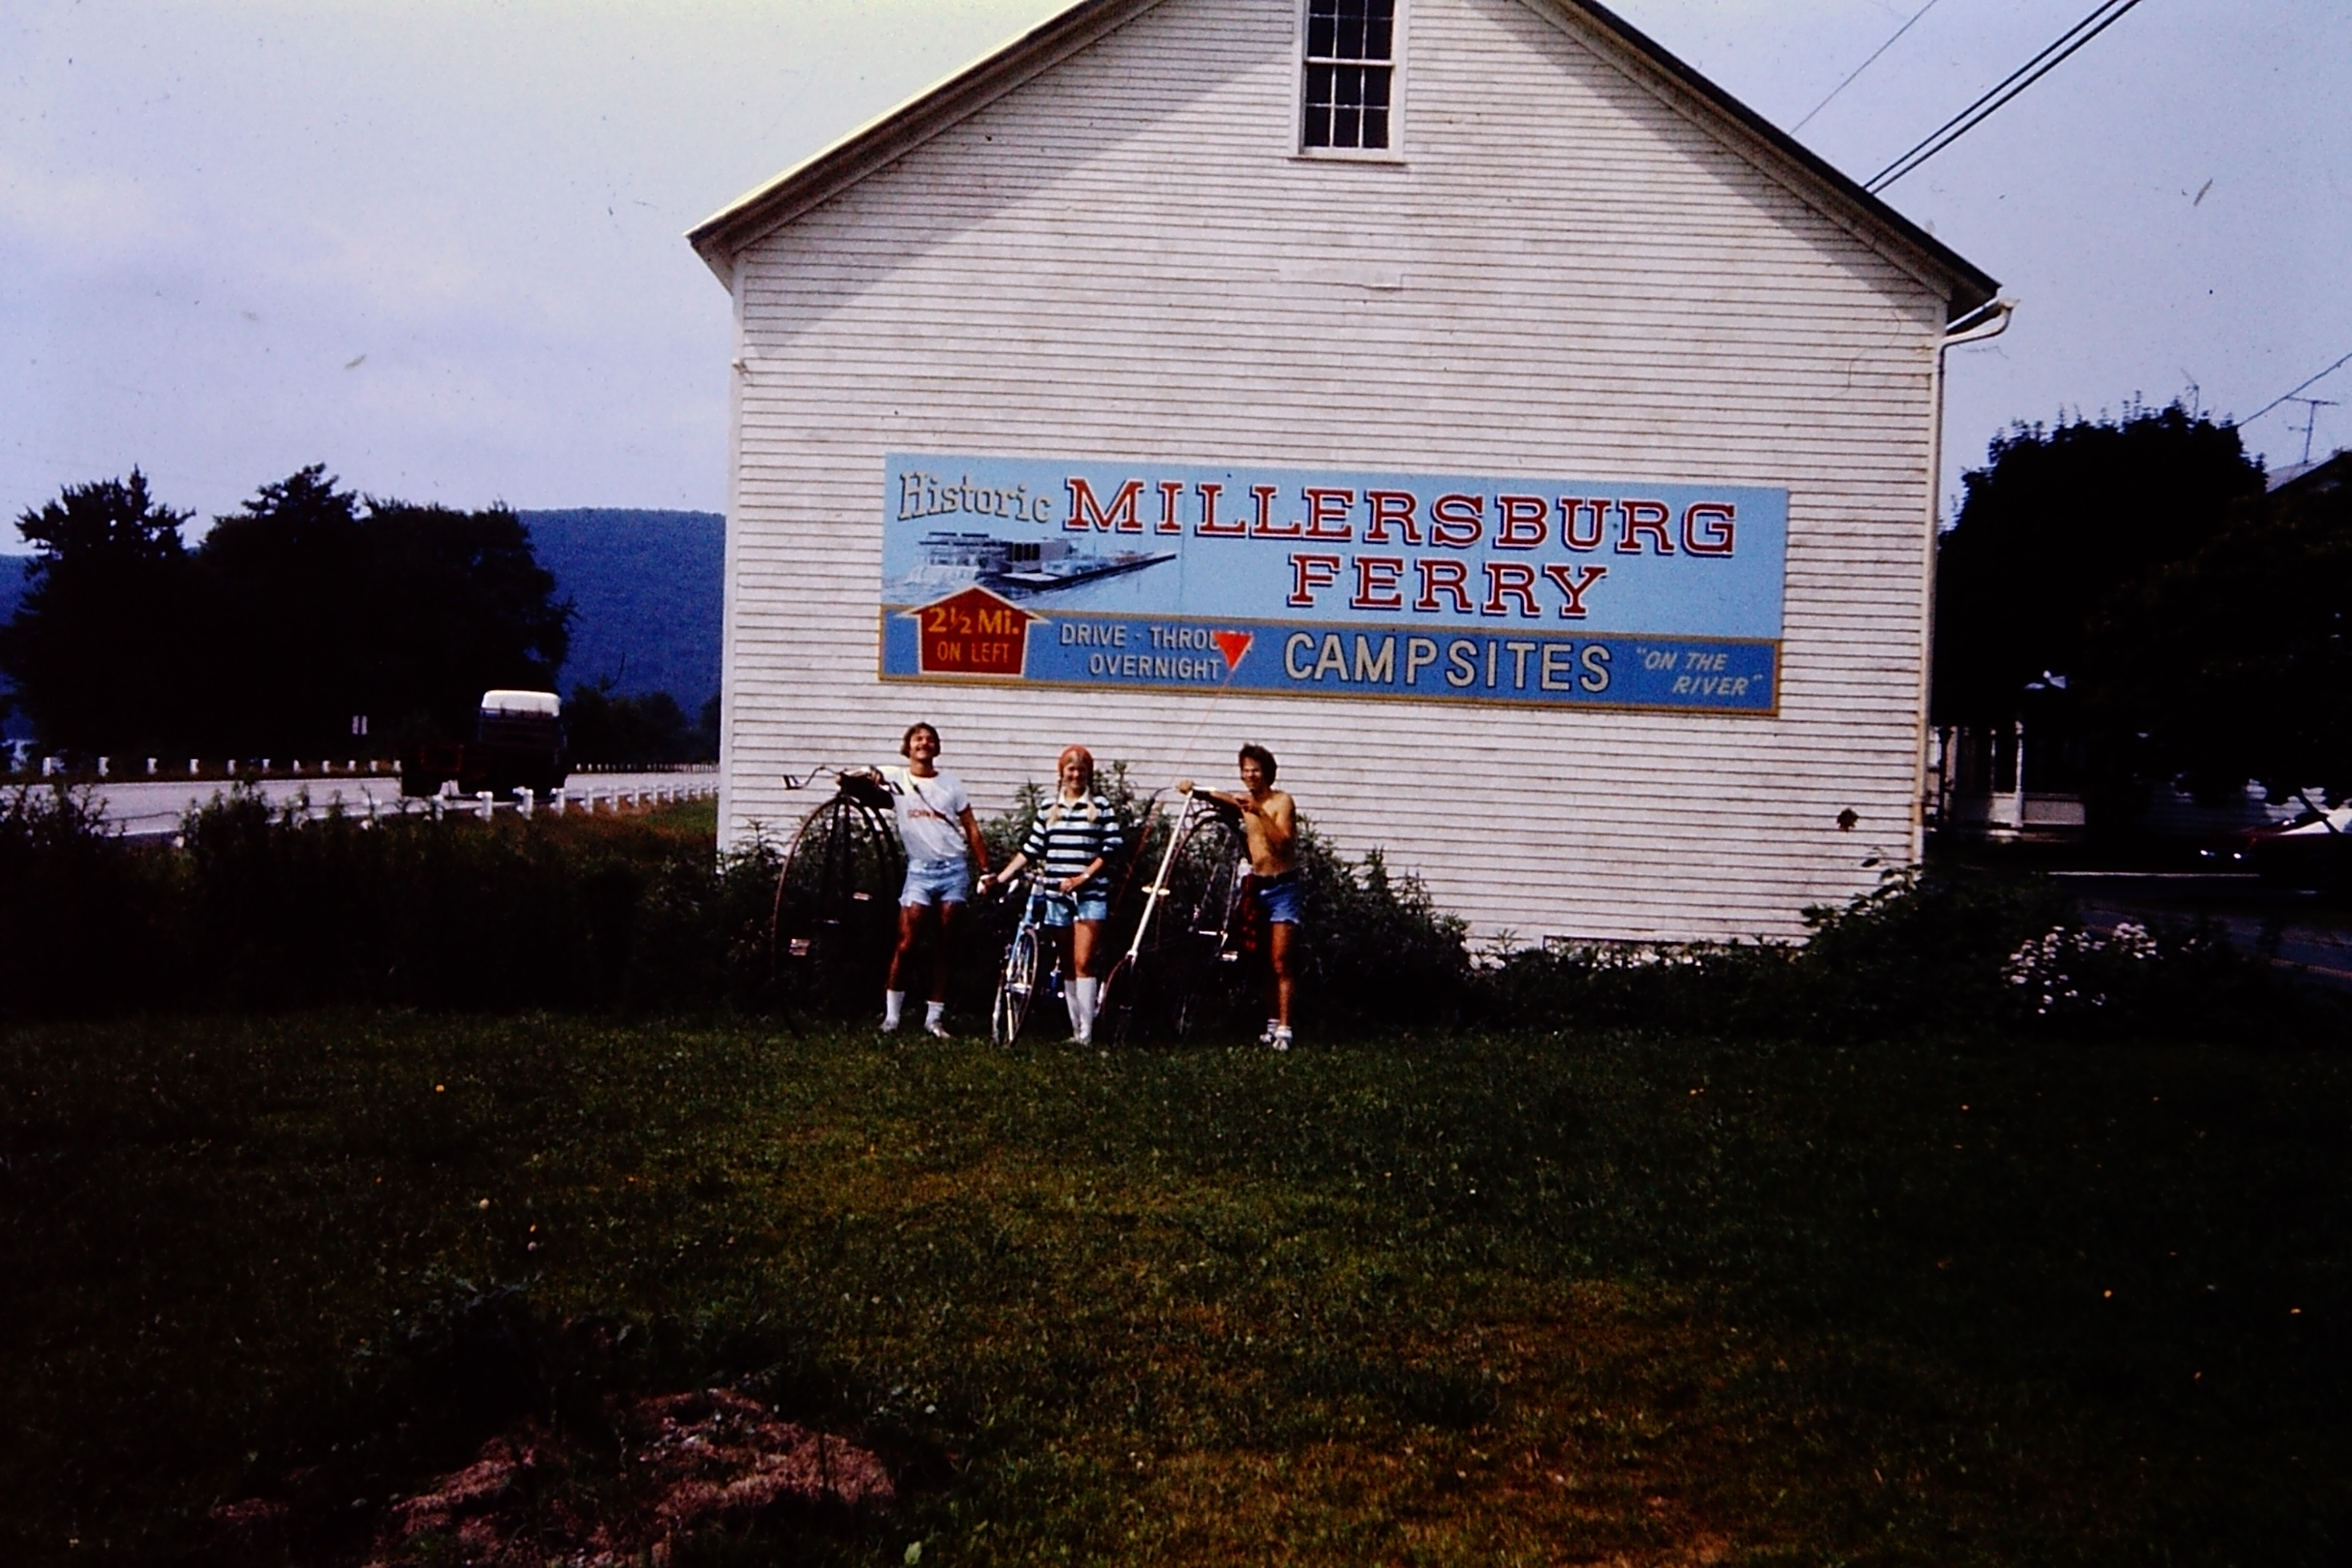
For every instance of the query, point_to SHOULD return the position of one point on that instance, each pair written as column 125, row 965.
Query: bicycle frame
column 1118, row 999
column 1016, row 984
column 1177, row 834
column 865, row 802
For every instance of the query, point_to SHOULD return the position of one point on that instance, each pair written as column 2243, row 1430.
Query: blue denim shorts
column 1279, row 897
column 1062, row 909
column 937, row 882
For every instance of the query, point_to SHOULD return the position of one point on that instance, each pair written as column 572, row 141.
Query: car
column 2315, row 851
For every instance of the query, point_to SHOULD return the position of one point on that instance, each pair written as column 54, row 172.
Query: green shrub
column 258, row 907
column 265, row 908
column 1922, row 954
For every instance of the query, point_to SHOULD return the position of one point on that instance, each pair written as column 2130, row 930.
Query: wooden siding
column 1122, row 259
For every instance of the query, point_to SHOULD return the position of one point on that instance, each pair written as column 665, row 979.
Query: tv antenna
column 2312, row 405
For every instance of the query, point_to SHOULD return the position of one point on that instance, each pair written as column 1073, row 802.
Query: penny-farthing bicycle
column 1180, row 970
column 835, row 915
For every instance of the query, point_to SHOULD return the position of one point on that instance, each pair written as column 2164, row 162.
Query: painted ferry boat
column 1016, row 568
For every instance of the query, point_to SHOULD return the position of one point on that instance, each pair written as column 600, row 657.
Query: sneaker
column 937, row 1028
column 890, row 1025
column 1279, row 1039
column 1266, row 1036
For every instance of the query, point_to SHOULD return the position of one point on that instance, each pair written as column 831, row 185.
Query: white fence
column 146, row 807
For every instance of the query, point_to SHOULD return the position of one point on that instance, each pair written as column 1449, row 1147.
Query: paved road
column 146, row 808
column 2314, row 937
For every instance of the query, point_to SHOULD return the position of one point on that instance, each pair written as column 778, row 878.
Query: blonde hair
column 1087, row 760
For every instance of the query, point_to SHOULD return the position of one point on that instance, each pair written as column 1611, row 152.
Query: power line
column 2103, row 15
column 2291, row 391
column 1864, row 66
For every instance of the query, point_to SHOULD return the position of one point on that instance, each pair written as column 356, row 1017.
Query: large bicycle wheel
column 1115, row 1010
column 1015, row 987
column 836, row 905
column 1200, row 977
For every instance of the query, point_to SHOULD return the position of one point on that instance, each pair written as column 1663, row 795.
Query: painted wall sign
column 1311, row 582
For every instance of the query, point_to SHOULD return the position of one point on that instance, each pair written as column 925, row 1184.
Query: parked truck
column 517, row 744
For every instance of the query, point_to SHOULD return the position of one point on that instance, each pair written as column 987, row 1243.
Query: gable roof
column 881, row 141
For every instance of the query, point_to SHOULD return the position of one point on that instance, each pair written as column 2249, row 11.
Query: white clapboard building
column 1463, row 398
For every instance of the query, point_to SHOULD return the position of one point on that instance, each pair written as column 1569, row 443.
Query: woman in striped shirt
column 1074, row 840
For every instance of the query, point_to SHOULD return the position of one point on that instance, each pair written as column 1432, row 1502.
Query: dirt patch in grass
column 660, row 1476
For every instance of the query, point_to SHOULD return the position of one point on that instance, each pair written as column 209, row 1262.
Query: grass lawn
column 1456, row 1298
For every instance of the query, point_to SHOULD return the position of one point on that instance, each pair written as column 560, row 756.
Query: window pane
column 1350, row 46
column 1317, row 128
column 1375, row 109
column 1349, row 29
column 1347, row 106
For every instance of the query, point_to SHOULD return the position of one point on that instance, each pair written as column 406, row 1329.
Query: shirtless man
column 1270, row 819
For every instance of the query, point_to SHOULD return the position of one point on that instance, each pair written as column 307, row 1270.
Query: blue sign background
column 1299, row 659
column 1446, row 587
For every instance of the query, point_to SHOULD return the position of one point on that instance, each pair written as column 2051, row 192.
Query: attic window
column 1350, row 66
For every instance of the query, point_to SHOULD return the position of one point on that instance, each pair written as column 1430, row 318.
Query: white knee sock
column 934, row 1011
column 1083, row 991
column 894, row 1002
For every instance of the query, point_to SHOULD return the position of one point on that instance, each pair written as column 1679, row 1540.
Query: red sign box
column 973, row 633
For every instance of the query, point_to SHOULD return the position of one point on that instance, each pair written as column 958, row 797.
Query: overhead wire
column 2291, row 391
column 1864, row 66
column 2103, row 15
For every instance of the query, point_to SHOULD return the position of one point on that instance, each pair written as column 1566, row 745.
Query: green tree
column 100, row 649
column 601, row 727
column 2236, row 662
column 2060, row 527
column 286, row 605
column 326, row 605
column 2057, row 524
column 460, row 604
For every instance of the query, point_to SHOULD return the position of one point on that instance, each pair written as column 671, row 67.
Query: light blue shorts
column 1279, row 898
column 937, row 882
column 1061, row 909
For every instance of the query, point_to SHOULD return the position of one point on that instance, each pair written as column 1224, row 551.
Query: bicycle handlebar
column 844, row 780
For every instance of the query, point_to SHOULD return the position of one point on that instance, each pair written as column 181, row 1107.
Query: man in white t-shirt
column 936, row 824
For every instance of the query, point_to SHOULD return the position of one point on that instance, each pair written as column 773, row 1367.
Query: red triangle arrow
column 1233, row 645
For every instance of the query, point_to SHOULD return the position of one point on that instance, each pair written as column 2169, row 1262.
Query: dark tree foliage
column 2236, row 663
column 602, row 726
column 99, row 648
column 2058, row 523
column 284, row 590
column 307, row 607
column 460, row 606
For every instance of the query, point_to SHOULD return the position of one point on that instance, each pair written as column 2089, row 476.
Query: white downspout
column 1989, row 320
column 730, row 686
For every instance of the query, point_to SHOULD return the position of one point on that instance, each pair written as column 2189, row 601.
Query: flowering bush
column 2069, row 967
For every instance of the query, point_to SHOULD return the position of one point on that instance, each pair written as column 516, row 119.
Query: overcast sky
column 437, row 246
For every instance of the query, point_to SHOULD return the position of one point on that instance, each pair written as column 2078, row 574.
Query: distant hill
column 647, row 588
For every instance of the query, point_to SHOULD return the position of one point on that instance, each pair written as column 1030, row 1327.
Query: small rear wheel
column 1015, row 988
